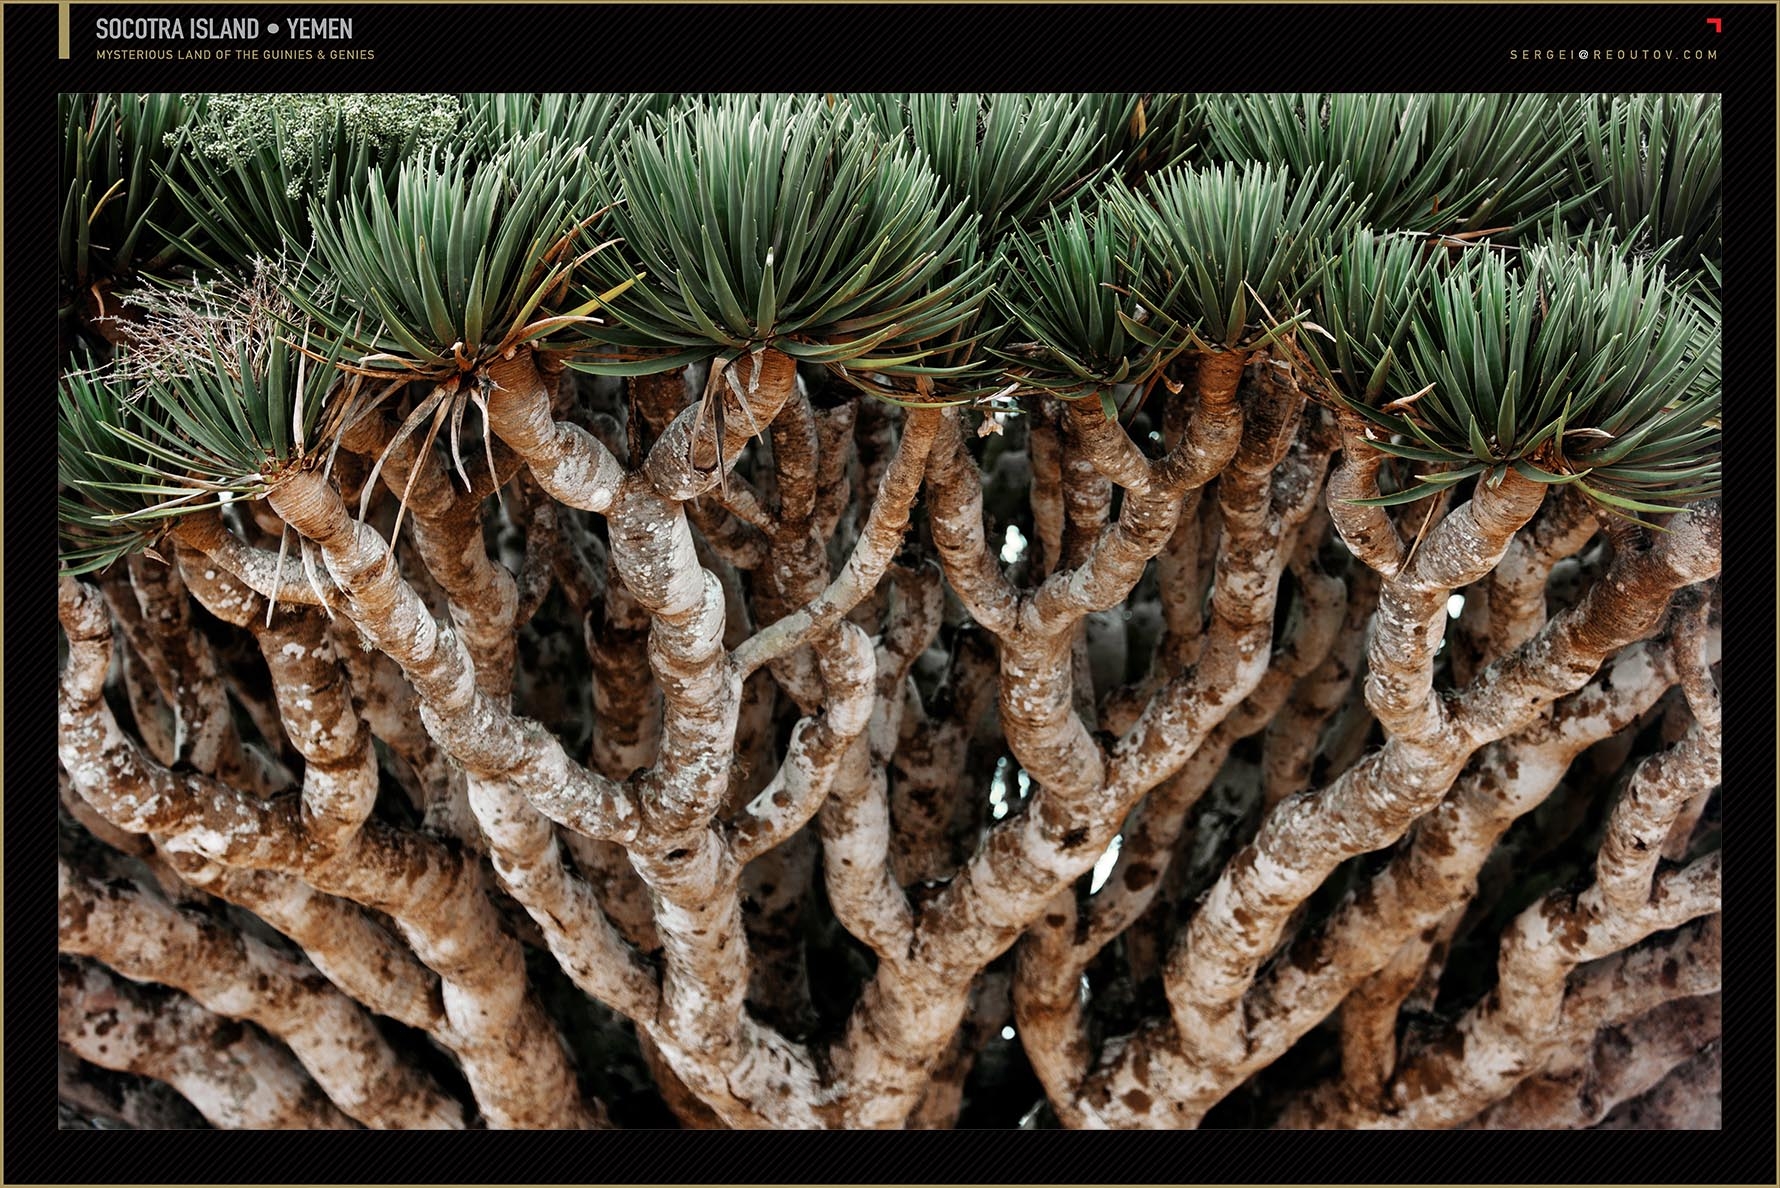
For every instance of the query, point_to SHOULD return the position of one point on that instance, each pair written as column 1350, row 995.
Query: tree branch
column 512, row 1055
column 235, row 1078
column 107, row 915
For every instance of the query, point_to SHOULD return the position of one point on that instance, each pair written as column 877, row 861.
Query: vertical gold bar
column 62, row 28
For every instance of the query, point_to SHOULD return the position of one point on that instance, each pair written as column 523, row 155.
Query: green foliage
column 760, row 222
column 1227, row 242
column 1116, row 119
column 453, row 267
column 959, row 364
column 926, row 248
column 260, row 164
column 1710, row 304
column 97, row 470
column 1165, row 129
column 1363, row 307
column 1573, row 367
column 1009, row 157
column 1653, row 165
column 492, row 122
column 1071, row 290
column 255, row 201
column 1506, row 160
column 115, row 148
column 224, row 399
column 1452, row 163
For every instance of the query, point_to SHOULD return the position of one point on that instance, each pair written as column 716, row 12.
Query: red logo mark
column 1717, row 24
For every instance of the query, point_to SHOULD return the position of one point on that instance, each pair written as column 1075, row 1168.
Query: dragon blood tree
column 890, row 611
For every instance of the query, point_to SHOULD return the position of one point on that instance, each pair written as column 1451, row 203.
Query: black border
column 936, row 46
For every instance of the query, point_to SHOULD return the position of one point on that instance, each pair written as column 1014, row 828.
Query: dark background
column 1062, row 47
column 620, row 47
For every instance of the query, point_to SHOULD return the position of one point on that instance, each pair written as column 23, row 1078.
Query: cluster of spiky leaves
column 926, row 248
column 1071, row 292
column 234, row 128
column 1362, row 310
column 1652, row 165
column 97, row 468
column 494, row 121
column 1710, row 304
column 115, row 150
column 1569, row 367
column 1198, row 259
column 1455, row 163
column 778, row 222
column 958, row 364
column 251, row 194
column 255, row 201
column 218, row 402
column 1009, row 157
column 454, row 263
column 1233, row 247
column 1165, row 129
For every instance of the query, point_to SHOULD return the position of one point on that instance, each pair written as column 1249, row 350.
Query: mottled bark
column 94, row 1098
column 315, row 703
column 447, row 526
column 510, row 1052
column 1428, row 740
column 1509, row 1035
column 104, row 914
column 236, row 1078
column 1691, row 1097
column 849, row 757
column 1582, row 1086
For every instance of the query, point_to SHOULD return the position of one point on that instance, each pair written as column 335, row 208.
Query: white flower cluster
column 232, row 127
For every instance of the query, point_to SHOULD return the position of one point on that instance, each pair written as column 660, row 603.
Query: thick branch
column 1621, row 1063
column 565, row 459
column 236, row 1079
column 878, row 540
column 512, row 1055
column 1511, row 1033
column 314, row 704
column 106, row 915
column 475, row 729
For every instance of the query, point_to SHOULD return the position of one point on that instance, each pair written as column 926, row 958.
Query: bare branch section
column 1691, row 1097
column 235, row 1077
column 106, row 915
column 1498, row 1042
column 1623, row 1063
column 510, row 1051
column 879, row 537
column 1394, row 918
column 1240, row 922
column 662, row 842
